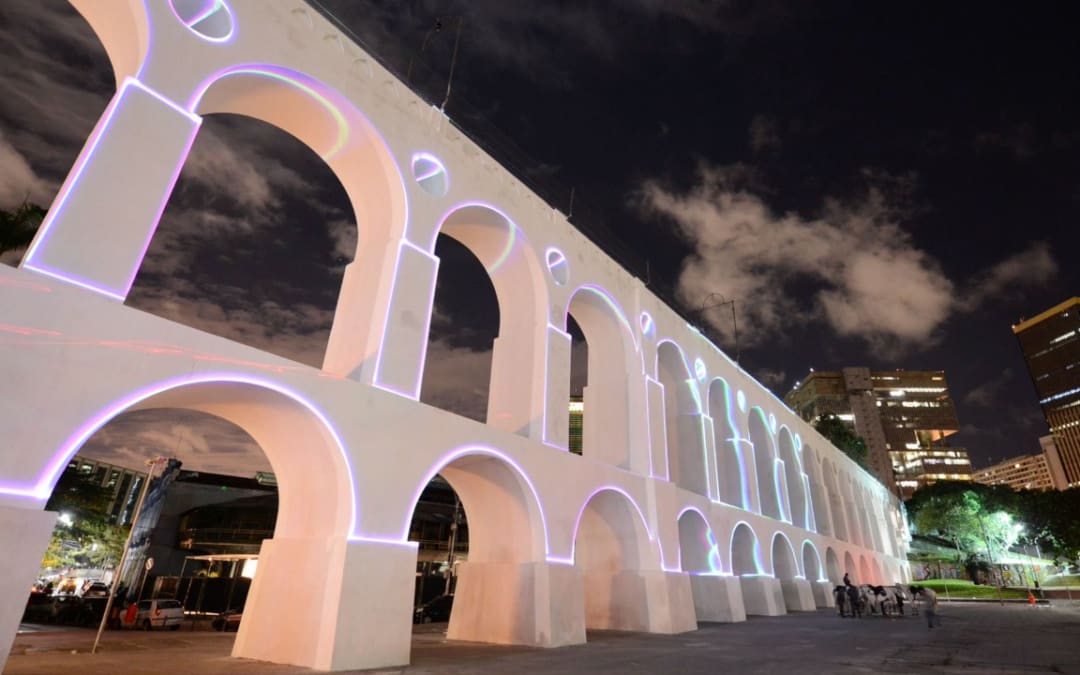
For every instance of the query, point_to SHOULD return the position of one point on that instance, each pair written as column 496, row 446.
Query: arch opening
column 611, row 548
column 811, row 562
column 730, row 466
column 699, row 552
column 832, row 566
column 517, row 278
column 599, row 321
column 795, row 480
column 687, row 464
column 851, row 569
column 765, row 464
column 820, row 506
column 745, row 551
column 836, row 501
column 866, row 575
column 785, row 566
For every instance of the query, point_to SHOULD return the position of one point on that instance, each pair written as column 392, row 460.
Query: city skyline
column 722, row 184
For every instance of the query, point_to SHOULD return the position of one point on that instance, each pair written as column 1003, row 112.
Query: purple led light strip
column 30, row 262
column 41, row 490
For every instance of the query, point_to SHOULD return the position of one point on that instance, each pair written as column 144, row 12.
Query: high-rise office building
column 903, row 415
column 1041, row 471
column 577, row 424
column 1051, row 346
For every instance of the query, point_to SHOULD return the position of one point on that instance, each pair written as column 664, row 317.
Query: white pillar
column 717, row 598
column 24, row 535
column 98, row 228
column 516, row 395
column 798, row 595
column 823, row 593
column 762, row 595
column 330, row 604
column 536, row 603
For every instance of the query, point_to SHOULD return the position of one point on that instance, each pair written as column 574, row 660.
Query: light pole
column 720, row 303
column 153, row 465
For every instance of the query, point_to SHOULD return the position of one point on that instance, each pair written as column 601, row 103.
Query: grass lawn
column 1060, row 580
column 965, row 589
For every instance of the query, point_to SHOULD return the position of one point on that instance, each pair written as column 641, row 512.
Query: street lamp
column 720, row 303
column 152, row 465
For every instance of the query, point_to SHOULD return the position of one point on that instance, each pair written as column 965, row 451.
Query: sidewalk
column 973, row 638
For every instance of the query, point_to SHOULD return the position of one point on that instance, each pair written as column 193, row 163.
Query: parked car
column 159, row 613
column 228, row 621
column 435, row 610
column 94, row 589
column 39, row 609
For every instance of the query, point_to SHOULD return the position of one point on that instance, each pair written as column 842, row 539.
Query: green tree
column 839, row 433
column 969, row 519
column 19, row 225
column 83, row 535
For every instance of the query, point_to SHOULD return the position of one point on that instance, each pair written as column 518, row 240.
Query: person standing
column 930, row 601
column 847, row 579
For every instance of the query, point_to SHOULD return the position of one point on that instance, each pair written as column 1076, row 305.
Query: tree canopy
column 19, row 225
column 839, row 433
column 83, row 534
column 975, row 515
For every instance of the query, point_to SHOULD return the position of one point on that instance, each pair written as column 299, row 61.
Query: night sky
column 882, row 184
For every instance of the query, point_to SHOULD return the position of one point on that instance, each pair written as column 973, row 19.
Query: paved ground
column 974, row 638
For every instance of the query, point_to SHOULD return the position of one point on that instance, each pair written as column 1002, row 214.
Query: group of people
column 851, row 596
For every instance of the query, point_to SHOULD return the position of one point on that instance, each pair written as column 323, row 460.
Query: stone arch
column 123, row 28
column 836, row 501
column 507, row 531
column 819, row 504
column 612, row 544
column 785, row 565
column 795, row 479
column 316, row 498
column 832, row 567
column 506, row 517
column 765, row 464
column 687, row 464
column 811, row 562
column 328, row 123
column 699, row 552
column 519, row 353
column 734, row 484
column 745, row 551
column 611, row 367
column 866, row 573
column 851, row 569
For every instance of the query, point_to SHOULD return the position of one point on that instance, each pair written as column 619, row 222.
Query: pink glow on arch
column 581, row 512
column 29, row 260
column 41, row 490
column 609, row 300
column 465, row 451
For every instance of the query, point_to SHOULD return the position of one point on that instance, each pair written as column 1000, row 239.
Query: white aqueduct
column 699, row 496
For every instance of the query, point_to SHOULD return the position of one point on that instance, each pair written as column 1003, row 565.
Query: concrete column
column 658, row 464
column 361, row 316
column 798, row 595
column 762, row 596
column 330, row 604
column 717, row 598
column 649, row 601
column 557, row 415
column 101, row 222
column 408, row 320
column 24, row 535
column 823, row 593
column 536, row 604
column 516, row 395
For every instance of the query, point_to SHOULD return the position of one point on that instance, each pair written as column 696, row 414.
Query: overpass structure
column 699, row 495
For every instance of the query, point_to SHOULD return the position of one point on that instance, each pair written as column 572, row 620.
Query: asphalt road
column 973, row 638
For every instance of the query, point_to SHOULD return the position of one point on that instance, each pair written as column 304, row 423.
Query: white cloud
column 867, row 277
column 18, row 181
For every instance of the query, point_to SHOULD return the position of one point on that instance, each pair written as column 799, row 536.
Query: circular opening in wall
column 646, row 323
column 209, row 19
column 430, row 174
column 557, row 266
column 700, row 370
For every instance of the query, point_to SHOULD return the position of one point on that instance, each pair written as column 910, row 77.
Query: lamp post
column 152, row 465
column 720, row 303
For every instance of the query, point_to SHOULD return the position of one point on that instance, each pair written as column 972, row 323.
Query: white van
column 159, row 613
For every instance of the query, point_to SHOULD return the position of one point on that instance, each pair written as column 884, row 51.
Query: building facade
column 1051, row 346
column 125, row 485
column 903, row 415
column 1041, row 471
